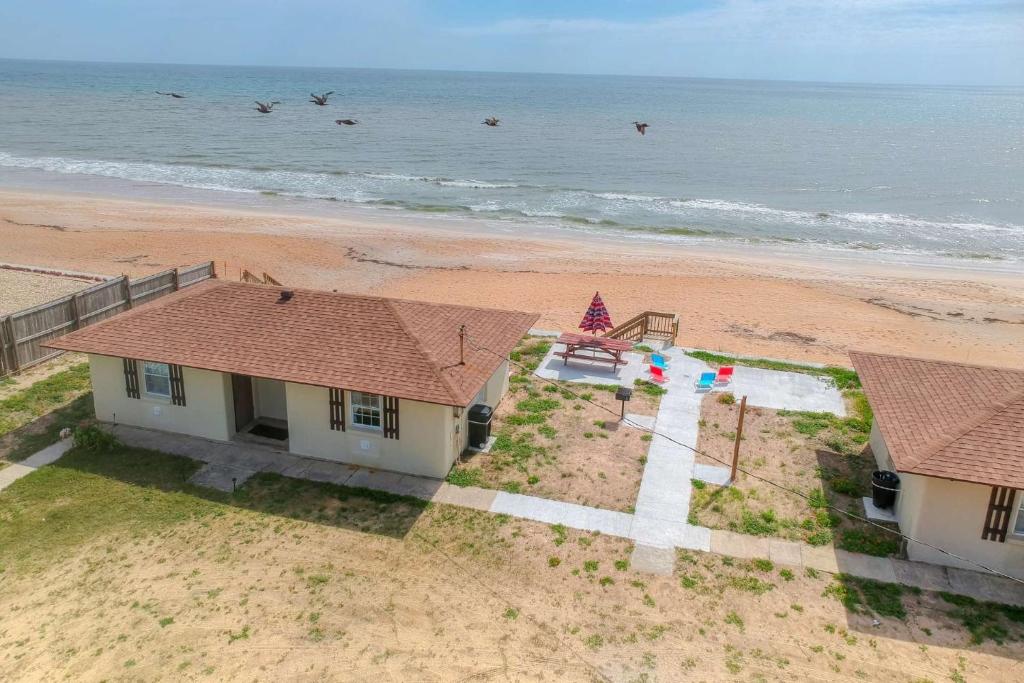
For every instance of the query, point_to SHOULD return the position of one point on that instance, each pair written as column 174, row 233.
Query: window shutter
column 337, row 401
column 177, row 385
column 131, row 377
column 1000, row 509
column 390, row 417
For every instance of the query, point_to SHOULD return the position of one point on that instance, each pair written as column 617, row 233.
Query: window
column 366, row 410
column 157, row 378
column 1018, row 525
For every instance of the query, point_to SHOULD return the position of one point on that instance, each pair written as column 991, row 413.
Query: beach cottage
column 371, row 381
column 954, row 433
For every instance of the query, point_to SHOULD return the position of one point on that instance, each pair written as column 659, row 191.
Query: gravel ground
column 20, row 290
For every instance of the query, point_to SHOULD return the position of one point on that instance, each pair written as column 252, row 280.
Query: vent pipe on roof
column 462, row 344
column 286, row 295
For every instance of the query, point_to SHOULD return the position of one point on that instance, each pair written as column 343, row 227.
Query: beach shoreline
column 805, row 306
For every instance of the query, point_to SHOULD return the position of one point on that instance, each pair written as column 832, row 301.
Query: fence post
column 736, row 445
column 7, row 329
column 126, row 288
column 74, row 311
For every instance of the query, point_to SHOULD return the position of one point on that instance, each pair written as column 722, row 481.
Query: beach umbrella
column 596, row 318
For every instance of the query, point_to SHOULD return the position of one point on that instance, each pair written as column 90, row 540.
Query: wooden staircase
column 647, row 325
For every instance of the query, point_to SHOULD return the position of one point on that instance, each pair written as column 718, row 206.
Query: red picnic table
column 602, row 349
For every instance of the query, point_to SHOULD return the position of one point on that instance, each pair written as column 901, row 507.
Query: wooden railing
column 647, row 324
column 23, row 333
column 246, row 276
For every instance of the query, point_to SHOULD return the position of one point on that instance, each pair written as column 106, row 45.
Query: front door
column 241, row 387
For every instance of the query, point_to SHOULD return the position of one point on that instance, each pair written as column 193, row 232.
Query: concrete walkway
column 48, row 455
column 656, row 538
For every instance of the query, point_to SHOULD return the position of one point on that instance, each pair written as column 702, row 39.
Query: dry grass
column 824, row 458
column 554, row 445
column 298, row 580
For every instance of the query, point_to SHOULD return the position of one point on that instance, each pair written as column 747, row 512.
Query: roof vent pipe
column 286, row 295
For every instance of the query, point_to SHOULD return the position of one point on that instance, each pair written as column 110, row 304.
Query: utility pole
column 736, row 446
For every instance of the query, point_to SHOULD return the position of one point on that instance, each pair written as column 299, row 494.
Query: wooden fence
column 647, row 324
column 22, row 333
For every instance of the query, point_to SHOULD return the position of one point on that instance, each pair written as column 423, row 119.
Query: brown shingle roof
column 948, row 420
column 408, row 349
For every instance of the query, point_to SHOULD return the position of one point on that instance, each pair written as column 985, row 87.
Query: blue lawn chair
column 659, row 360
column 706, row 381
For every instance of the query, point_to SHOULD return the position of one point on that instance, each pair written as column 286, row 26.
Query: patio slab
column 221, row 477
column 711, row 474
column 465, row 496
column 786, row 390
column 876, row 513
column 553, row 367
column 866, row 566
column 985, row 586
column 926, row 576
column 640, row 421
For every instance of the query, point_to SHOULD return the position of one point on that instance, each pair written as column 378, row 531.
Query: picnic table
column 592, row 348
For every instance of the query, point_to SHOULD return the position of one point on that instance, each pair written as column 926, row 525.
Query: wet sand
column 812, row 307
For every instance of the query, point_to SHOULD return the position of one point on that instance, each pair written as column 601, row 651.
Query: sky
column 961, row 42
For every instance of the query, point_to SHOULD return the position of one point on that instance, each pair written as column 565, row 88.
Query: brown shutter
column 337, row 401
column 1000, row 509
column 390, row 417
column 131, row 377
column 177, row 385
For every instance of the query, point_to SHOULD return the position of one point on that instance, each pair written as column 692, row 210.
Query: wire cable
column 748, row 473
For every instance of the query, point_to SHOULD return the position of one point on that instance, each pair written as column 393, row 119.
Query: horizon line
column 523, row 73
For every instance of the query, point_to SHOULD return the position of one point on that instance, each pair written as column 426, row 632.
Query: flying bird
column 640, row 127
column 346, row 122
column 265, row 108
column 491, row 121
column 320, row 99
column 175, row 95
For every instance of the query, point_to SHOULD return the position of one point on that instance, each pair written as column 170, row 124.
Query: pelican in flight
column 640, row 127
column 491, row 121
column 175, row 95
column 346, row 122
column 265, row 108
column 320, row 99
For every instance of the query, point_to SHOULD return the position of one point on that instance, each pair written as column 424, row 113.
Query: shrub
column 763, row 565
column 95, row 439
column 554, row 561
column 764, row 524
column 726, row 399
column 817, row 499
column 550, row 388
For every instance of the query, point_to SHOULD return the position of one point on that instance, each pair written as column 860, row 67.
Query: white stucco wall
column 951, row 515
column 270, row 398
column 423, row 446
column 207, row 411
column 947, row 514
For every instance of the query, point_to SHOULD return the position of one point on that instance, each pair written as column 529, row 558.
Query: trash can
column 884, row 486
column 479, row 419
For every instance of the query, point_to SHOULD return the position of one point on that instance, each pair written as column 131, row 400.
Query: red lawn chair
column 657, row 374
column 724, row 375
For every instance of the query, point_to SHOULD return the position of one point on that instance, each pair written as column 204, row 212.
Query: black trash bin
column 884, row 486
column 479, row 425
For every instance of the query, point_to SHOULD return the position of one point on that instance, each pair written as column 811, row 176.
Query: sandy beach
column 736, row 300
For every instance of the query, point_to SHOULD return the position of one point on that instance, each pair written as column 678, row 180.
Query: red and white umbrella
column 596, row 318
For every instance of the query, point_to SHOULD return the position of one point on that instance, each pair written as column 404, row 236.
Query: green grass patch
column 650, row 388
column 537, row 405
column 467, row 476
column 30, row 439
column 843, row 378
column 42, row 397
column 856, row 595
column 984, row 620
column 868, row 542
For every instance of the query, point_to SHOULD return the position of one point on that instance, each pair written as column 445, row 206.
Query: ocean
column 935, row 172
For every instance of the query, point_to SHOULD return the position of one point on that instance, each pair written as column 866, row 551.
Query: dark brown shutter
column 337, row 401
column 1000, row 509
column 131, row 377
column 177, row 385
column 390, row 417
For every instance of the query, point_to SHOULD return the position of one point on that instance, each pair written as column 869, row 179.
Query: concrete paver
column 557, row 512
column 221, row 477
column 738, row 545
column 46, row 456
column 711, row 474
column 785, row 552
column 653, row 560
column 553, row 367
